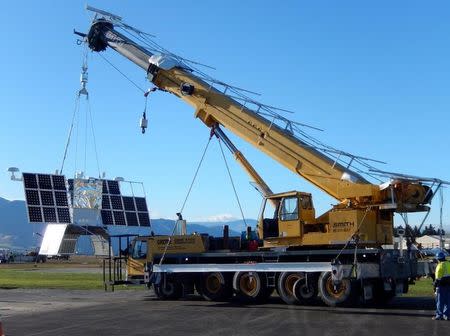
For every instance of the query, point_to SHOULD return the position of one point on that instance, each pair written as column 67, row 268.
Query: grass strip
column 422, row 287
column 37, row 279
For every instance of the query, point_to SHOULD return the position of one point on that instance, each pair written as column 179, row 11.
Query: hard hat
column 440, row 255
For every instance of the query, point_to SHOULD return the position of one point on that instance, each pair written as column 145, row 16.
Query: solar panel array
column 46, row 198
column 122, row 210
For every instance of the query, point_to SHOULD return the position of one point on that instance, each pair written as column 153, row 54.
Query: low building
column 425, row 242
column 429, row 242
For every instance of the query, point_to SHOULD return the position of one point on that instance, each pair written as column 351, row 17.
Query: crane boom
column 213, row 106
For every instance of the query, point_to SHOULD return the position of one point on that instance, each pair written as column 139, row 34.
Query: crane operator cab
column 285, row 217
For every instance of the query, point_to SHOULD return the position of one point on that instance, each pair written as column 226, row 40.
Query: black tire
column 251, row 286
column 168, row 289
column 333, row 295
column 285, row 286
column 215, row 286
column 306, row 290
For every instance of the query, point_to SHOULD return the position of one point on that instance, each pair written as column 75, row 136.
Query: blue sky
column 374, row 75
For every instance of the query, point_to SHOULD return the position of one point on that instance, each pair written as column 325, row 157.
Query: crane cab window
column 140, row 249
column 306, row 202
column 269, row 219
column 289, row 209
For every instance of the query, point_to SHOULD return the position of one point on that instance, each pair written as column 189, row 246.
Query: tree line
column 414, row 232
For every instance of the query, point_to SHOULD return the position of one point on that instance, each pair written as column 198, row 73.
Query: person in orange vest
column 442, row 287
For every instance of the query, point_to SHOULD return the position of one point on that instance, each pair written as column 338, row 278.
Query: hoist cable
column 77, row 126
column 85, row 135
column 93, row 135
column 185, row 200
column 195, row 176
column 232, row 182
column 123, row 74
column 77, row 104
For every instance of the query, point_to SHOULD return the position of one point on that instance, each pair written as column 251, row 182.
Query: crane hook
column 143, row 123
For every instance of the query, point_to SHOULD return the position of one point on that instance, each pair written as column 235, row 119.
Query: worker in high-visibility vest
column 442, row 286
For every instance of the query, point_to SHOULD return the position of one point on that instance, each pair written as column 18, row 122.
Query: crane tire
column 306, row 290
column 285, row 286
column 332, row 295
column 251, row 286
column 168, row 289
column 215, row 286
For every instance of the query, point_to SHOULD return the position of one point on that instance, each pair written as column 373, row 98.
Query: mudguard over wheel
column 215, row 286
column 332, row 294
column 251, row 286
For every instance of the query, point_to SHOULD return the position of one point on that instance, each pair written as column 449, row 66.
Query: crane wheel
column 168, row 289
column 251, row 286
column 215, row 286
column 305, row 289
column 285, row 286
column 342, row 294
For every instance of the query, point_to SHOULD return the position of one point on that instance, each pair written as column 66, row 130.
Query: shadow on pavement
column 402, row 306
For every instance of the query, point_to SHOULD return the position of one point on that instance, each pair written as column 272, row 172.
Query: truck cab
column 137, row 256
column 286, row 215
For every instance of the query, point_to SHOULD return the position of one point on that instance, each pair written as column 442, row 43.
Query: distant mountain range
column 16, row 232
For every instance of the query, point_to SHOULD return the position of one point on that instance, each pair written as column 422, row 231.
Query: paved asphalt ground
column 61, row 312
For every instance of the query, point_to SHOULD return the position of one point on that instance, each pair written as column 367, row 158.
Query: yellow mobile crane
column 296, row 246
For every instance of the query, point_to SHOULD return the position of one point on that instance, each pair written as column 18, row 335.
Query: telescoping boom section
column 363, row 208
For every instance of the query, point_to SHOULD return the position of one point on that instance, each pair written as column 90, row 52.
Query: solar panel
column 50, row 198
column 61, row 198
column 116, row 202
column 105, row 187
column 59, row 182
column 106, row 204
column 29, row 180
column 113, row 187
column 63, row 215
column 119, row 218
column 144, row 219
column 131, row 219
column 32, row 197
column 107, row 217
column 128, row 203
column 122, row 210
column 49, row 215
column 44, row 181
column 141, row 204
column 34, row 214
column 46, row 198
